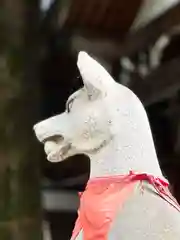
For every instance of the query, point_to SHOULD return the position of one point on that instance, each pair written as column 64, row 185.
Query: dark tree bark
column 20, row 212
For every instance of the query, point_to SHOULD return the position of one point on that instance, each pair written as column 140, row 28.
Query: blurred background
column 138, row 43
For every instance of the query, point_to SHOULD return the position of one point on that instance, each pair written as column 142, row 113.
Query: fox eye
column 69, row 105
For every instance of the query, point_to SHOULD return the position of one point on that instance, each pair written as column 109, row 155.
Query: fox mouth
column 56, row 150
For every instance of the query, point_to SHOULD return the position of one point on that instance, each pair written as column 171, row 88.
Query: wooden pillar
column 20, row 213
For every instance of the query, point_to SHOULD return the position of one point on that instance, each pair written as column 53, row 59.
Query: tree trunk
column 20, row 212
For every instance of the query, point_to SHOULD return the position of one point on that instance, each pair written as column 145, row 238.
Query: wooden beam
column 105, row 48
column 160, row 84
column 134, row 42
column 147, row 35
column 150, row 10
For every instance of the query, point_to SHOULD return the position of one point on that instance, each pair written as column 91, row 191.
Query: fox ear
column 95, row 78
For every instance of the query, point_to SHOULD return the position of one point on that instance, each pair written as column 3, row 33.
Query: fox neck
column 119, row 156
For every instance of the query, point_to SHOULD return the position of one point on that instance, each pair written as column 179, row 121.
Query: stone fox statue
column 126, row 197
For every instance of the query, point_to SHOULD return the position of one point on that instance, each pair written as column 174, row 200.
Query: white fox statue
column 127, row 197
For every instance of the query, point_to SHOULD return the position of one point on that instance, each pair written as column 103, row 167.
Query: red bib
column 104, row 196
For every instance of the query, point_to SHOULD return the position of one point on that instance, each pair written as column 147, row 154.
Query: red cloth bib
column 104, row 196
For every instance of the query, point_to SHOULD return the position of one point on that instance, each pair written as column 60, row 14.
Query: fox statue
column 126, row 197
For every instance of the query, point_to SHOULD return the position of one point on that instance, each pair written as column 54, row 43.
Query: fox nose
column 53, row 127
column 40, row 131
column 45, row 131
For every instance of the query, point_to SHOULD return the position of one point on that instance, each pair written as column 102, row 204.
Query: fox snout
column 52, row 128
